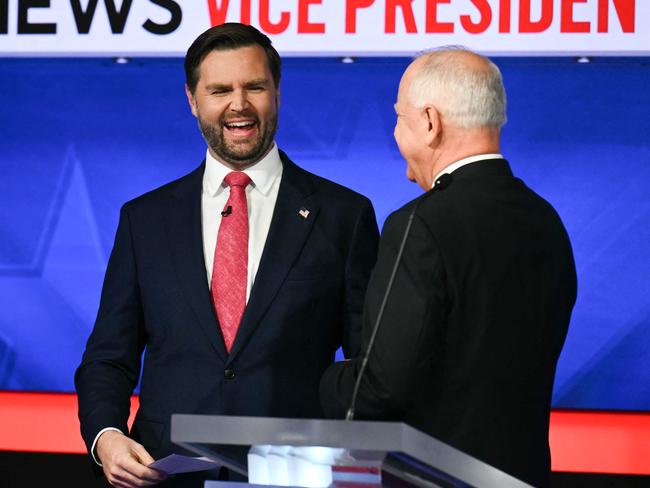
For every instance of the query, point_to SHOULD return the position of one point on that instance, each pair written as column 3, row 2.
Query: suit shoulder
column 399, row 218
column 157, row 195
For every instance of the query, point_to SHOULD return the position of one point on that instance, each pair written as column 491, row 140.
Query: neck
column 457, row 144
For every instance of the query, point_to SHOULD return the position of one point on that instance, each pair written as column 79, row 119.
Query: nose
column 239, row 101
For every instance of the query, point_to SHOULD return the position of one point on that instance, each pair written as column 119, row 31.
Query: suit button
column 229, row 374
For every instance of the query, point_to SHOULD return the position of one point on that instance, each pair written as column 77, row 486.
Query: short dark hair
column 230, row 35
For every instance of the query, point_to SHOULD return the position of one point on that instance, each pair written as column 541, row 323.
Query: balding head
column 465, row 87
column 450, row 105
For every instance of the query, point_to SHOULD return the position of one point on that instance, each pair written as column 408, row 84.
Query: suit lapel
column 287, row 235
column 186, row 243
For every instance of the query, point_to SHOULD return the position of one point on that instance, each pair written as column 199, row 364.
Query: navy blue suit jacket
column 306, row 301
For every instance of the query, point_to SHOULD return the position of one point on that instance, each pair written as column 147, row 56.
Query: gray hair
column 465, row 96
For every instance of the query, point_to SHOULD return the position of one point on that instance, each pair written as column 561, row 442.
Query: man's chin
column 237, row 162
column 237, row 159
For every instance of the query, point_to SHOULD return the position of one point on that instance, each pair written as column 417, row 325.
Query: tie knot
column 237, row 178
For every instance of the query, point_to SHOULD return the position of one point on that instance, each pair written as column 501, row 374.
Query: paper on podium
column 176, row 463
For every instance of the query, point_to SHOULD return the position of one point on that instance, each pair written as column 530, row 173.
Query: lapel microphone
column 440, row 184
column 227, row 212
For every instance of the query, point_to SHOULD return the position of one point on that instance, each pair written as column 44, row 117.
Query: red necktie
column 230, row 270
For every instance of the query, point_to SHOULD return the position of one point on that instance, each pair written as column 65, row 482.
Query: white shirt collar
column 472, row 159
column 263, row 173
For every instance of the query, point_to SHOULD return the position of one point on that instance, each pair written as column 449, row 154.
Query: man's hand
column 125, row 461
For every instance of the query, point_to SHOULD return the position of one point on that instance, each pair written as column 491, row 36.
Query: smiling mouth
column 241, row 128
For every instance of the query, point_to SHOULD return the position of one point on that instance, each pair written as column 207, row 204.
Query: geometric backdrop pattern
column 79, row 137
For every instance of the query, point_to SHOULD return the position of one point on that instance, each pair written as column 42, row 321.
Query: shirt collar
column 263, row 173
column 472, row 159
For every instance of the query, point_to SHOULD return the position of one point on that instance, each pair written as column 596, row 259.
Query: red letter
column 304, row 26
column 246, row 12
column 266, row 24
column 217, row 14
column 483, row 23
column 432, row 18
column 504, row 16
column 625, row 11
column 407, row 12
column 567, row 24
column 351, row 13
column 526, row 25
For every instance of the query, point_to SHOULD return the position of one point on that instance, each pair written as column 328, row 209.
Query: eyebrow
column 218, row 87
column 248, row 84
column 256, row 82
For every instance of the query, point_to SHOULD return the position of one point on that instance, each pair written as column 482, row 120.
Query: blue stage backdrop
column 79, row 137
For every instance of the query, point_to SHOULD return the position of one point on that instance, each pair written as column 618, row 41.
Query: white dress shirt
column 472, row 159
column 261, row 195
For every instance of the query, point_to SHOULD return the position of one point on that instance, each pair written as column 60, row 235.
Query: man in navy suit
column 238, row 281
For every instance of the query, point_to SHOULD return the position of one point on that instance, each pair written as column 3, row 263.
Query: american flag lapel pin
column 304, row 213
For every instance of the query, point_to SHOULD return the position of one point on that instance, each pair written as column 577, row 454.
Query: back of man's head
column 465, row 87
column 227, row 36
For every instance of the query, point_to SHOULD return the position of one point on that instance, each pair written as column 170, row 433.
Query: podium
column 353, row 454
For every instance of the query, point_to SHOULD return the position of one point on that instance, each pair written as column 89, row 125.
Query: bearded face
column 239, row 139
column 236, row 104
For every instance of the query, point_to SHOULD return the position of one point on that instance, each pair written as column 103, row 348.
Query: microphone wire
column 364, row 363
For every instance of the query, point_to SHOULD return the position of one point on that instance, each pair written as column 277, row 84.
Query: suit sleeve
column 110, row 366
column 405, row 345
column 360, row 261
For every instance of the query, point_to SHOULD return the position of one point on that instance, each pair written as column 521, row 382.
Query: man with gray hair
column 471, row 331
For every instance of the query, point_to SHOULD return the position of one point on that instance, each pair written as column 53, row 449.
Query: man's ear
column 434, row 124
column 190, row 100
